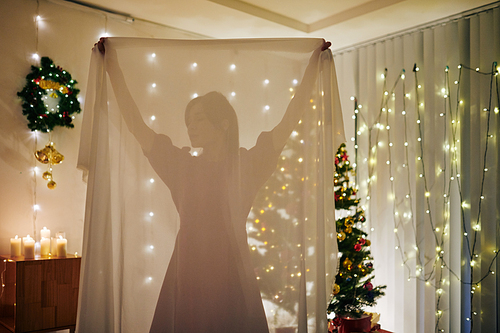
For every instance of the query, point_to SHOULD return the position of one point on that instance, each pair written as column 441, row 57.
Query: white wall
column 66, row 34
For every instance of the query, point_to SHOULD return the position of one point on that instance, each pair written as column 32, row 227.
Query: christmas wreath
column 49, row 97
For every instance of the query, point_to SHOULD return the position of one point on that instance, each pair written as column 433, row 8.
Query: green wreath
column 49, row 97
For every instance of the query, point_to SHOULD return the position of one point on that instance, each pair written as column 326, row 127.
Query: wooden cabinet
column 39, row 295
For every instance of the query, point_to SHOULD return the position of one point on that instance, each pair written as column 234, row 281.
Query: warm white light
column 195, row 95
column 153, row 55
column 151, row 214
column 194, row 65
column 36, row 207
column 35, row 56
column 152, row 180
column 267, row 107
column 233, row 93
column 266, row 81
column 352, row 98
column 295, row 81
column 153, row 117
column 232, row 67
column 153, row 85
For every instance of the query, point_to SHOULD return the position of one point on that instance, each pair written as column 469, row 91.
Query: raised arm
column 298, row 104
column 128, row 109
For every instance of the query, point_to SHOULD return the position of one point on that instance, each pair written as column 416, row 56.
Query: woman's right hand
column 100, row 45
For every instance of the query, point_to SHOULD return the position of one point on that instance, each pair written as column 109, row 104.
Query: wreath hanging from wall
column 49, row 97
column 49, row 100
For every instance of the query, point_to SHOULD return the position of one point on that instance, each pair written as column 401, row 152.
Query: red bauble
column 357, row 247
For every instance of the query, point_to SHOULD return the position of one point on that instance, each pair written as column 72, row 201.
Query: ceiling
column 343, row 22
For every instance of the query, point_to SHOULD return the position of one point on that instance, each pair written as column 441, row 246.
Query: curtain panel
column 421, row 112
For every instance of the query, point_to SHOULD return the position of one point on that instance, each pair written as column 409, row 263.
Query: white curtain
column 428, row 156
column 131, row 220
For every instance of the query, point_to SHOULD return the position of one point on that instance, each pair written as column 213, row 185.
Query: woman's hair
column 217, row 108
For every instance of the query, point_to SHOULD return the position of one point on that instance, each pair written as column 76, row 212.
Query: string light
column 448, row 175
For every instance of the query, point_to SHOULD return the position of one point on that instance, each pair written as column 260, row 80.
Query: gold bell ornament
column 49, row 155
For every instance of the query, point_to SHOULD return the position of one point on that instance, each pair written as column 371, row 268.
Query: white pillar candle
column 15, row 247
column 24, row 241
column 53, row 246
column 45, row 246
column 45, row 233
column 62, row 244
column 29, row 248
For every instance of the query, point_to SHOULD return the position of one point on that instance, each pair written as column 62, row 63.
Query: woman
column 210, row 285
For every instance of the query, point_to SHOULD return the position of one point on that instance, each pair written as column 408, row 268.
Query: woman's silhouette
column 210, row 285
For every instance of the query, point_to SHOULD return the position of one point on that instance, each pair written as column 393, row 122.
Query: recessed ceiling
column 344, row 23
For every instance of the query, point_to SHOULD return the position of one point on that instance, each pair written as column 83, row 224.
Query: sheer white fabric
column 168, row 207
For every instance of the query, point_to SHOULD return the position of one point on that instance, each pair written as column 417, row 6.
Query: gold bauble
column 368, row 243
column 51, row 185
column 47, row 175
column 336, row 289
column 349, row 222
column 348, row 230
column 341, row 236
column 347, row 262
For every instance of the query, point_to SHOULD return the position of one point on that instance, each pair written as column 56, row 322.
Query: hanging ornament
column 51, row 184
column 348, row 230
column 368, row 243
column 368, row 285
column 336, row 289
column 349, row 222
column 341, row 236
column 357, row 247
column 362, row 241
column 47, row 175
column 49, row 155
column 347, row 263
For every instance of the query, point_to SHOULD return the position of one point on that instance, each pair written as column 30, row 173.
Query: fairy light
column 451, row 149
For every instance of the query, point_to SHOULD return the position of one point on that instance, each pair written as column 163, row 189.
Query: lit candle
column 53, row 246
column 15, row 247
column 45, row 246
column 61, row 246
column 29, row 247
column 45, row 233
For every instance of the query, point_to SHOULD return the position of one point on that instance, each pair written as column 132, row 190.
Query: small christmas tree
column 353, row 289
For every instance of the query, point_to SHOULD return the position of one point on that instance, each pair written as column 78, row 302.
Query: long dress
column 210, row 285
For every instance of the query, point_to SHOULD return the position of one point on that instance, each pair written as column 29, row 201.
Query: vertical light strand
column 35, row 204
column 37, row 19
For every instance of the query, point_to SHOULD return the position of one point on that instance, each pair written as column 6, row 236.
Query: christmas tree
column 353, row 289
